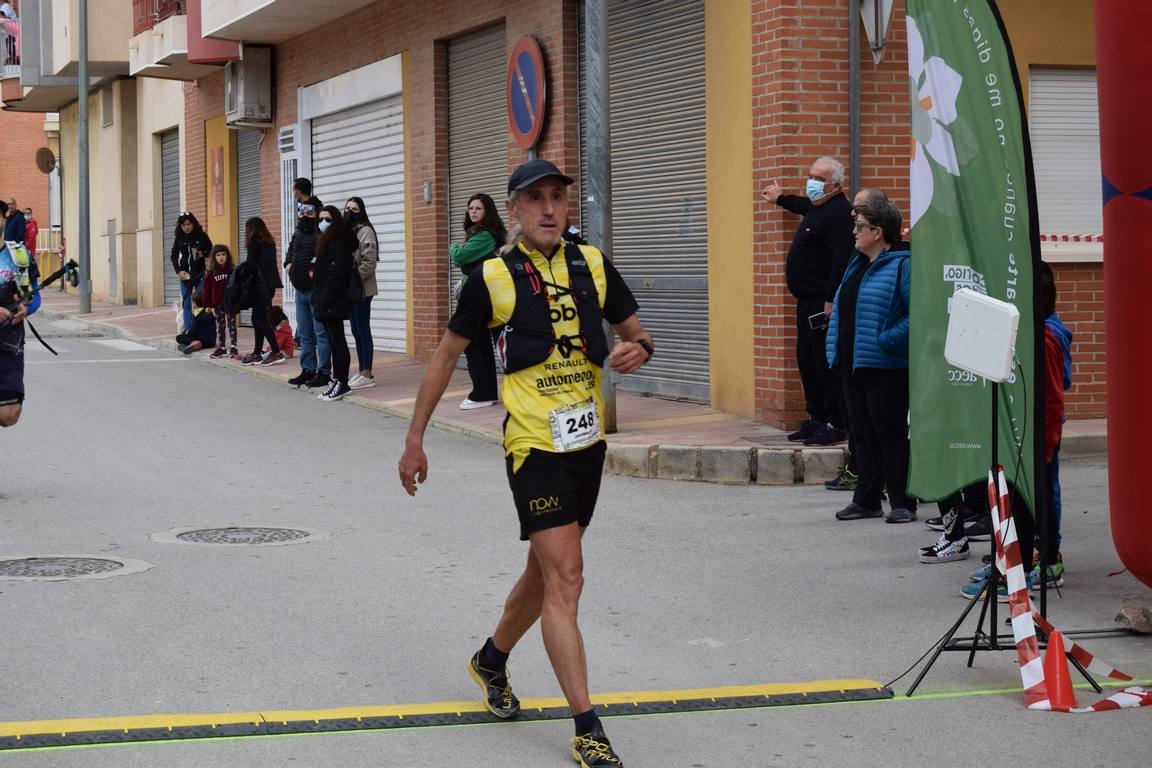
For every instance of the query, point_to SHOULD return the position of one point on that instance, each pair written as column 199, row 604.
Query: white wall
column 160, row 108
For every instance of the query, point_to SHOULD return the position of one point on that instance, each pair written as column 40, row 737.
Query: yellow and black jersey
column 555, row 405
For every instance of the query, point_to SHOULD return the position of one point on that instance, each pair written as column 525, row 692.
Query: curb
column 723, row 464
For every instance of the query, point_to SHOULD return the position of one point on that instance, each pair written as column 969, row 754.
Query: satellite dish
column 45, row 160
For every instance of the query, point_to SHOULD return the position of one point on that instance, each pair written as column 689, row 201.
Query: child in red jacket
column 1057, row 378
column 284, row 338
column 217, row 271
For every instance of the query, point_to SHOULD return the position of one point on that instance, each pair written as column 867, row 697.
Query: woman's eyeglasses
column 860, row 226
column 325, row 218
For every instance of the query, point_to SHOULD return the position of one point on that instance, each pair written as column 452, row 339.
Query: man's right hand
column 4, row 314
column 413, row 468
column 182, row 275
column 771, row 192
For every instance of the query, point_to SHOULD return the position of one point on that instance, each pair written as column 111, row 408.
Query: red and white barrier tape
column 1068, row 238
column 1024, row 619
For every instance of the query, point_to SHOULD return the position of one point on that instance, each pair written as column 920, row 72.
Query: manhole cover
column 56, row 567
column 61, row 567
column 249, row 536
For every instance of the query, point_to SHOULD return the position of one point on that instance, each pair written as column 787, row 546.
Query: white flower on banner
column 934, row 87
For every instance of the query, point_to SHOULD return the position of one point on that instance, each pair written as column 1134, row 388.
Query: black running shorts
column 554, row 489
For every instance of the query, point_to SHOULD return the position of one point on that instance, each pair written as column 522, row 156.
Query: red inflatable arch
column 1125, row 116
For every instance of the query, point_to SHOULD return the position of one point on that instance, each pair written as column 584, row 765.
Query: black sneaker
column 301, row 378
column 845, row 481
column 827, row 435
column 336, row 392
column 321, row 379
column 856, row 512
column 498, row 696
column 901, row 515
column 807, row 429
column 979, row 528
column 941, row 523
column 592, row 750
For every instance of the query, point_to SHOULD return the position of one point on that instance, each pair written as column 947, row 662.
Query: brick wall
column 21, row 134
column 800, row 102
column 420, row 29
column 1080, row 304
column 203, row 100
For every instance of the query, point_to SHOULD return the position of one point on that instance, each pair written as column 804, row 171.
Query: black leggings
column 341, row 359
column 263, row 331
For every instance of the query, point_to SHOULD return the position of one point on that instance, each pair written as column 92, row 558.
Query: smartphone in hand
column 818, row 321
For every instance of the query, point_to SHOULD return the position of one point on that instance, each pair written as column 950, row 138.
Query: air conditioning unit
column 248, row 88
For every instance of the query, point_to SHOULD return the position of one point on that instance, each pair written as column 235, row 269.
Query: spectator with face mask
column 360, row 313
column 31, row 231
column 336, row 250
column 315, row 353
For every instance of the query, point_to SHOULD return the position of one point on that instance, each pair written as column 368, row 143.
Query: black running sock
column 586, row 722
column 492, row 657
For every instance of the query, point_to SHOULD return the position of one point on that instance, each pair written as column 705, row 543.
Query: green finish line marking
column 41, row 734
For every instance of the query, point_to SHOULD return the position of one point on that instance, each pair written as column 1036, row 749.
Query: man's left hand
column 827, row 309
column 20, row 313
column 627, row 357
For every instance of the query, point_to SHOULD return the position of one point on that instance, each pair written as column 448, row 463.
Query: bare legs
column 549, row 590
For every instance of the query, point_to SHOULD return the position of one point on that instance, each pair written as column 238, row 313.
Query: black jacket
column 263, row 257
column 301, row 257
column 821, row 247
column 16, row 226
column 333, row 275
column 183, row 255
column 203, row 328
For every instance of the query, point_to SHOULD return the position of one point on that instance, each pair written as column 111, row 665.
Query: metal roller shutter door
column 477, row 125
column 247, row 184
column 247, row 194
column 659, row 204
column 1064, row 125
column 360, row 151
column 170, row 208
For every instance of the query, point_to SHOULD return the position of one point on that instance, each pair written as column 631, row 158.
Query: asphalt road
column 689, row 585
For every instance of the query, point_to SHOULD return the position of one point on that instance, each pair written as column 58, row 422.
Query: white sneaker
column 361, row 382
column 469, row 404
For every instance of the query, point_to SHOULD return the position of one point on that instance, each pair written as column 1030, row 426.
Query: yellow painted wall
column 221, row 228
column 731, row 192
column 1066, row 36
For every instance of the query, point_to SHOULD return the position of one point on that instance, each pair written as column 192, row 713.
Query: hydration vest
column 529, row 336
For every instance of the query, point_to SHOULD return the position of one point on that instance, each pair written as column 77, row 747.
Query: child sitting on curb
column 202, row 334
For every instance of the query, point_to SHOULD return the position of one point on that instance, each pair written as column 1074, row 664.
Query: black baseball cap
column 531, row 172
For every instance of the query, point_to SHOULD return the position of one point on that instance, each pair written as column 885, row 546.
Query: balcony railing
column 9, row 47
column 147, row 12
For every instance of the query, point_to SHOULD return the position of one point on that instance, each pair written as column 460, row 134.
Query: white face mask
column 814, row 189
column 323, row 225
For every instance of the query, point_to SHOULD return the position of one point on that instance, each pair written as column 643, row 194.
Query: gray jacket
column 366, row 257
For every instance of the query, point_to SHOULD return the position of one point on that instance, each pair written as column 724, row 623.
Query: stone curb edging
column 729, row 465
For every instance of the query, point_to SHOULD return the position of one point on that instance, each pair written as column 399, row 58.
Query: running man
column 550, row 300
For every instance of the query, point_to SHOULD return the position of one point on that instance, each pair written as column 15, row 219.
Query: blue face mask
column 814, row 189
column 323, row 225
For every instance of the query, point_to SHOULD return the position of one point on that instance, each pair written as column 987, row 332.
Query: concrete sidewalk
column 655, row 437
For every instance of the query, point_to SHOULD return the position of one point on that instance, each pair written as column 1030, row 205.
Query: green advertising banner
column 972, row 227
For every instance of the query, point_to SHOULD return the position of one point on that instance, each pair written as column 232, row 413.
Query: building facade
column 404, row 103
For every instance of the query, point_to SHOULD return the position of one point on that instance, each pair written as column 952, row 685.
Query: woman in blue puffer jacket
column 868, row 343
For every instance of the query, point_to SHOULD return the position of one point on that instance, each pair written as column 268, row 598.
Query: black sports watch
column 647, row 348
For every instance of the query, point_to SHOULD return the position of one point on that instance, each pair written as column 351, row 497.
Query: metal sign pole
column 598, row 145
column 82, row 164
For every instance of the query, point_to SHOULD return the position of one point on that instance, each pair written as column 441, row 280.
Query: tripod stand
column 990, row 641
